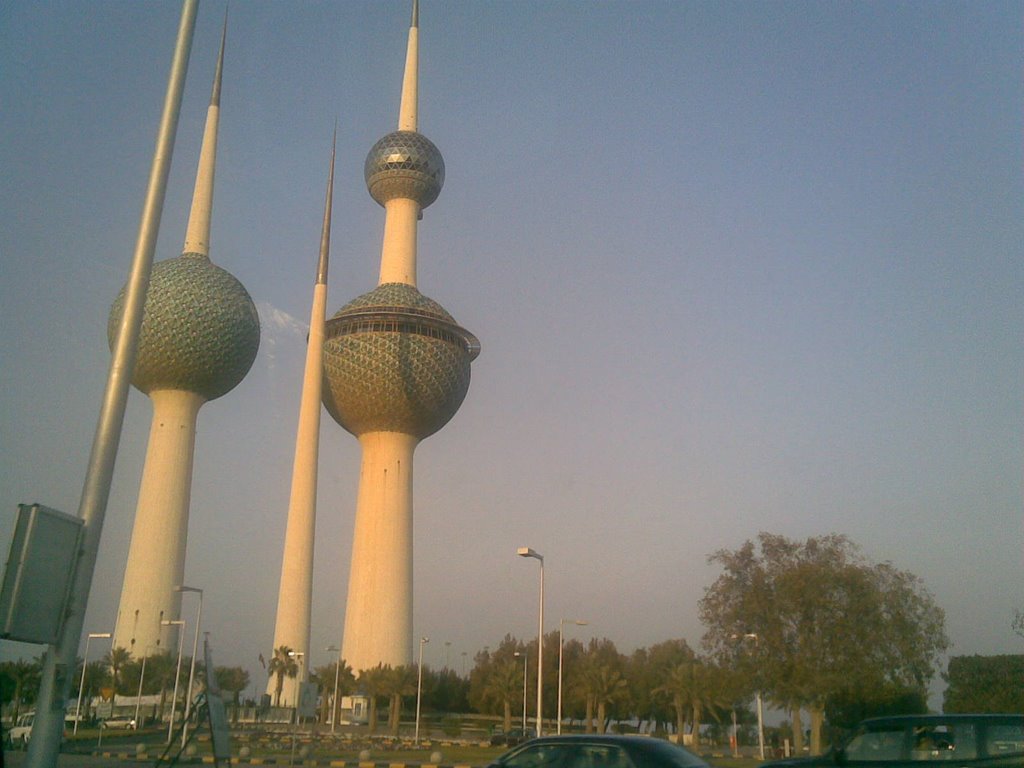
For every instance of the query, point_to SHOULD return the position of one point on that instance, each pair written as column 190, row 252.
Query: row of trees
column 812, row 625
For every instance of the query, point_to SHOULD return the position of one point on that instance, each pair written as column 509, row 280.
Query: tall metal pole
column 561, row 625
column 177, row 675
column 81, row 685
column 138, row 695
column 525, row 660
column 527, row 552
column 334, row 701
column 55, row 681
column 419, row 690
column 192, row 666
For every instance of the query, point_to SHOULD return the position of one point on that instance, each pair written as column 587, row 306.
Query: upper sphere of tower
column 395, row 361
column 200, row 329
column 404, row 164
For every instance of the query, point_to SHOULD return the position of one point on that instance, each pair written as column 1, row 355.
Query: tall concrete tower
column 296, row 592
column 396, row 369
column 200, row 334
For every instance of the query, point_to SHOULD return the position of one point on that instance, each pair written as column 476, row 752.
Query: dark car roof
column 928, row 719
column 631, row 743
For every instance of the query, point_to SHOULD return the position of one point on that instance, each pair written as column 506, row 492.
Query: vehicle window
column 955, row 741
column 538, row 756
column 876, row 745
column 1004, row 739
column 597, row 756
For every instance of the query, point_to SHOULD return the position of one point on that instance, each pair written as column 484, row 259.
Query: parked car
column 592, row 751
column 966, row 741
column 512, row 737
column 120, row 722
column 21, row 731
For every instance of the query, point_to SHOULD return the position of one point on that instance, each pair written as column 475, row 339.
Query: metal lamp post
column 192, row 666
column 177, row 674
column 561, row 625
column 138, row 696
column 337, row 670
column 757, row 695
column 419, row 689
column 525, row 660
column 85, row 663
column 527, row 552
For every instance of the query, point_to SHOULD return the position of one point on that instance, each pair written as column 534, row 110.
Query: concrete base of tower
column 378, row 614
column 156, row 556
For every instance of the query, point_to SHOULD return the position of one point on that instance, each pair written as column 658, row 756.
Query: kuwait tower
column 396, row 369
column 200, row 333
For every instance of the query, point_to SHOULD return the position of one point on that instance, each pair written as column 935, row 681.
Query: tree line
column 812, row 626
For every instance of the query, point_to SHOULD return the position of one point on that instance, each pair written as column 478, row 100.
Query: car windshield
column 879, row 743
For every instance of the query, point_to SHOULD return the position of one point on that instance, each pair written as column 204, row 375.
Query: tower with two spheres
column 396, row 369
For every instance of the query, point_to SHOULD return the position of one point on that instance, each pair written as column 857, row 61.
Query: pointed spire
column 197, row 234
column 325, row 236
column 407, row 111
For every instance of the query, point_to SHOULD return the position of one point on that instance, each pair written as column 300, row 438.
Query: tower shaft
column 398, row 254
column 156, row 555
column 378, row 614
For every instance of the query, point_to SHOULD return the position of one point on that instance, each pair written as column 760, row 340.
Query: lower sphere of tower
column 200, row 329
column 396, row 371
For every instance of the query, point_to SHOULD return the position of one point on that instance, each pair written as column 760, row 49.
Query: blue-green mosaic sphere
column 200, row 330
column 393, row 364
column 404, row 164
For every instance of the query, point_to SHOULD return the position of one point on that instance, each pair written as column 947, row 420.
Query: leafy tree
column 984, row 684
column 698, row 686
column 234, row 680
column 282, row 664
column 448, row 692
column 826, row 621
column 496, row 681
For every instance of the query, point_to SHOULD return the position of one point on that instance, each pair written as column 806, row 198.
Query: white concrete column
column 398, row 255
column 156, row 556
column 378, row 614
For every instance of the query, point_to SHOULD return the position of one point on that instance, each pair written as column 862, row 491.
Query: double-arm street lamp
column 192, row 666
column 419, row 689
column 527, row 552
column 85, row 663
column 561, row 626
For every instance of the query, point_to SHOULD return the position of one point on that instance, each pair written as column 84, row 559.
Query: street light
column 561, row 625
column 419, row 689
column 192, row 666
column 300, row 657
column 527, row 552
column 337, row 669
column 525, row 660
column 177, row 674
column 760, row 707
column 138, row 696
column 85, row 663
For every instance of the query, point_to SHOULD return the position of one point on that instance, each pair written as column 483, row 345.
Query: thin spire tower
column 200, row 333
column 396, row 368
column 296, row 593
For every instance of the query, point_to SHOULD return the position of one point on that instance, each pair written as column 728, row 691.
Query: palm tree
column 373, row 681
column 504, row 686
column 602, row 685
column 26, row 677
column 695, row 686
column 400, row 681
column 117, row 659
column 282, row 664
column 325, row 677
column 160, row 669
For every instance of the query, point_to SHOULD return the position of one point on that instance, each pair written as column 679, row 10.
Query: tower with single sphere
column 396, row 369
column 200, row 333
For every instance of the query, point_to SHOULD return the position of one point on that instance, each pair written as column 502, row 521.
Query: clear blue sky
column 735, row 267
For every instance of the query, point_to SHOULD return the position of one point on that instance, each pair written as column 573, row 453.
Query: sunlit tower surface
column 396, row 369
column 200, row 334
